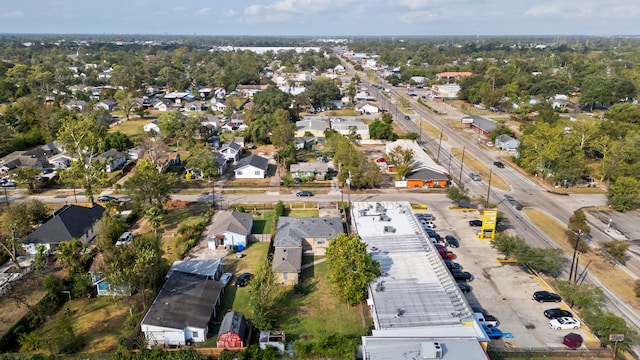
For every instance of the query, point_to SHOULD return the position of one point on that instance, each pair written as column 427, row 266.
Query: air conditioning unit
column 430, row 350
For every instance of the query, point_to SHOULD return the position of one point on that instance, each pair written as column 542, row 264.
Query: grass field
column 599, row 266
column 263, row 224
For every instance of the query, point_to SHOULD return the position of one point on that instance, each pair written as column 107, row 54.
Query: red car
column 447, row 255
column 381, row 160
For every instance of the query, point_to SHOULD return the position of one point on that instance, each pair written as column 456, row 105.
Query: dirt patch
column 175, row 204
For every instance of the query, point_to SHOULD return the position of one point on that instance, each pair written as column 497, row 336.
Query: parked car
column 304, row 193
column 462, row 275
column 510, row 199
column 225, row 278
column 107, row 198
column 464, row 287
column 381, row 160
column 407, row 117
column 564, row 323
column 8, row 184
column 243, row 279
column 498, row 164
column 451, row 265
column 545, row 296
column 426, row 217
column 493, row 332
column 478, row 309
column 490, row 143
column 554, row 313
column 447, row 255
column 475, row 222
column 475, row 177
column 452, row 241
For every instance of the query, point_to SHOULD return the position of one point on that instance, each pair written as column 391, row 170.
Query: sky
column 322, row 17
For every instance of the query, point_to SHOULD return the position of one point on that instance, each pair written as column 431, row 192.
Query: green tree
column 270, row 100
column 265, row 296
column 26, row 177
column 17, row 221
column 402, row 159
column 604, row 323
column 279, row 209
column 583, row 296
column 617, row 250
column 624, row 194
column 507, row 244
column 72, row 255
column 578, row 230
column 321, row 92
column 380, row 130
column 351, row 268
column 202, row 158
column 117, row 140
column 146, row 187
column 457, row 194
column 155, row 216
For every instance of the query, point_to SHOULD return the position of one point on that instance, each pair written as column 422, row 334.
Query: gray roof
column 110, row 155
column 231, row 145
column 234, row 322
column 208, row 267
column 66, row 223
column 255, row 161
column 484, row 123
column 312, row 124
column 291, row 230
column 184, row 300
column 310, row 166
column 426, row 174
column 287, row 259
column 232, row 221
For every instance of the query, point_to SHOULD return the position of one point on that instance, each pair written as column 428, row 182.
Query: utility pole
column 575, row 252
column 439, row 146
column 489, row 187
column 461, row 165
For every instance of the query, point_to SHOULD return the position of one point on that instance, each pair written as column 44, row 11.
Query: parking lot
column 504, row 289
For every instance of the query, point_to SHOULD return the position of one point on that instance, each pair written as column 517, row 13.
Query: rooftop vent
column 400, row 312
column 430, row 350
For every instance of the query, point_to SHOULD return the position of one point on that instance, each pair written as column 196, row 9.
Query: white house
column 230, row 229
column 314, row 126
column 218, row 104
column 113, row 159
column 367, row 109
column 252, row 167
column 231, row 151
column 60, row 161
column 506, row 142
column 345, row 128
column 152, row 126
column 108, row 104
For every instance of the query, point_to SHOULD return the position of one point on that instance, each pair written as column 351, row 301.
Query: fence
column 259, row 238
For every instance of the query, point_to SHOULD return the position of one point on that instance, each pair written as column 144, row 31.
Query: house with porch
column 252, row 167
column 231, row 151
column 230, row 229
column 309, row 170
column 506, row 142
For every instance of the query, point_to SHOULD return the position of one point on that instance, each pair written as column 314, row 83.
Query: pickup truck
column 486, row 320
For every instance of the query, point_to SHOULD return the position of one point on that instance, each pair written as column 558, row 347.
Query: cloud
column 202, row 12
column 11, row 15
column 283, row 10
column 229, row 13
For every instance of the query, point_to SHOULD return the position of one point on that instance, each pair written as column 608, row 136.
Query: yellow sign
column 488, row 229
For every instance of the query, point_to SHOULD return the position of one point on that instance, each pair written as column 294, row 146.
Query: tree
column 380, row 130
column 126, row 102
column 26, row 177
column 604, row 323
column 577, row 230
column 507, row 244
column 321, row 92
column 617, row 250
column 270, row 100
column 351, row 268
column 265, row 296
column 84, row 140
column 117, row 140
column 154, row 215
column 624, row 194
column 457, row 194
column 72, row 255
column 402, row 159
column 146, row 187
column 202, row 158
column 583, row 296
column 17, row 221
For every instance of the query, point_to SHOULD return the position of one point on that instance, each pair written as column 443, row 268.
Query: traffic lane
column 504, row 289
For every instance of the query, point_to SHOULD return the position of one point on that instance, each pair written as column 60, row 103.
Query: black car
column 464, row 287
column 407, row 117
column 545, row 296
column 243, row 279
column 304, row 193
column 498, row 164
column 451, row 265
column 556, row 313
column 461, row 275
column 478, row 309
column 452, row 241
column 107, row 198
column 475, row 222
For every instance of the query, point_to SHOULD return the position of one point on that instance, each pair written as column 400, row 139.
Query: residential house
column 480, row 125
column 449, row 77
column 347, row 127
column 218, row 104
column 76, row 105
column 234, row 331
column 315, row 127
column 60, row 161
column 295, row 236
column 230, row 229
column 506, row 142
column 108, row 104
column 222, row 162
column 304, row 142
column 66, row 223
column 152, row 126
column 113, row 159
column 309, row 170
column 135, row 153
column 231, row 151
column 163, row 105
column 251, row 90
column 182, row 311
column 35, row 158
column 179, row 98
column 366, row 108
column 424, row 171
column 196, row 105
column 211, row 268
column 164, row 159
column 238, row 140
column 252, row 167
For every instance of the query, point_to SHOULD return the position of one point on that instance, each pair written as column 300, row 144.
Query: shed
column 234, row 331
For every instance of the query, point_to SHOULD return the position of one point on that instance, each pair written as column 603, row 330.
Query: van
column 125, row 238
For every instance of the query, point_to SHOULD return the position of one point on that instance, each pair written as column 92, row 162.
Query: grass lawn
column 262, row 224
column 599, row 266
column 301, row 213
column 433, row 131
column 132, row 127
column 318, row 312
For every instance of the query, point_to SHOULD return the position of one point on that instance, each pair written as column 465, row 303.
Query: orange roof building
column 452, row 76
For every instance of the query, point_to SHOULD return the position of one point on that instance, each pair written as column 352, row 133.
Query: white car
column 225, row 278
column 564, row 323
